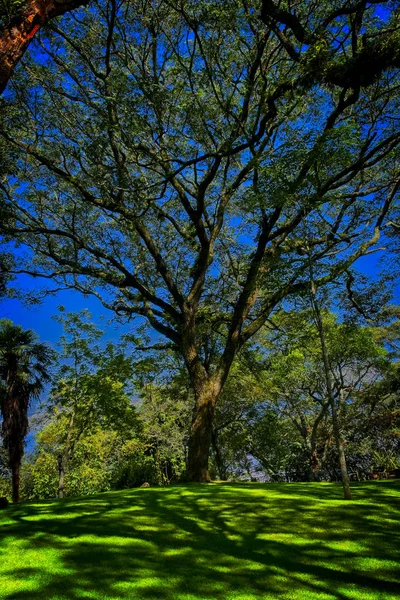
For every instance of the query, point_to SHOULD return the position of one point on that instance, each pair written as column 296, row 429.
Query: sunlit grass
column 199, row 542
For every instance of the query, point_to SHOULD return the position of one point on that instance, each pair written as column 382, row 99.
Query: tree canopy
column 185, row 162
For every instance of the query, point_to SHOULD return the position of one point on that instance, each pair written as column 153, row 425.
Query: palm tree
column 24, row 364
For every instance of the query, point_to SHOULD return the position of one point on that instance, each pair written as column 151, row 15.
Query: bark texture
column 15, row 38
column 341, row 453
column 63, row 457
column 219, row 461
column 15, row 471
column 15, row 425
column 331, row 398
column 201, row 436
column 61, row 475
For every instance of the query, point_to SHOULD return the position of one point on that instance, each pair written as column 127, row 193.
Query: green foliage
column 24, row 368
column 93, row 382
column 89, row 471
column 264, row 418
column 105, row 441
column 5, row 488
column 5, row 478
column 273, row 419
column 165, row 413
column 39, row 477
column 8, row 10
column 136, row 464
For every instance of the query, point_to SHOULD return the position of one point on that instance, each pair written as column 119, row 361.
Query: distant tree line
column 114, row 418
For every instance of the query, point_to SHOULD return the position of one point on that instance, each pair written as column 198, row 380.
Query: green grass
column 294, row 541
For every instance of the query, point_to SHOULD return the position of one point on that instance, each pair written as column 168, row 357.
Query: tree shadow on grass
column 206, row 542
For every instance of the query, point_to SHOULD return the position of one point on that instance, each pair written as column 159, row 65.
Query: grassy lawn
column 204, row 542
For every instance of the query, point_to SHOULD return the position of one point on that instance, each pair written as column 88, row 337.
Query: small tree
column 24, row 365
column 90, row 388
column 317, row 385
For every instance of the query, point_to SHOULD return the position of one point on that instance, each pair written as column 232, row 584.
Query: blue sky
column 40, row 317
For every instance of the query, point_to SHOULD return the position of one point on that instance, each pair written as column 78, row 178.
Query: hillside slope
column 199, row 542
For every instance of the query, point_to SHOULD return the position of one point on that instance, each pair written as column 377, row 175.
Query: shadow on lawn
column 212, row 542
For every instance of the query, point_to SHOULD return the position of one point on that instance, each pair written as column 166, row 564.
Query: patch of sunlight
column 10, row 586
column 222, row 568
column 196, row 535
column 241, row 596
column 19, row 555
column 146, row 582
column 116, row 511
column 186, row 536
column 105, row 541
column 234, row 537
column 50, row 517
column 352, row 592
column 388, row 509
column 369, row 563
column 316, row 530
column 139, row 527
column 286, row 538
column 48, row 505
column 344, row 564
column 147, row 578
column 177, row 551
column 313, row 580
column 82, row 594
column 346, row 545
column 233, row 565
column 27, row 569
column 7, row 520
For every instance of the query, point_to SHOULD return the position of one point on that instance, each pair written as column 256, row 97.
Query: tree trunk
column 15, row 470
column 15, row 38
column 219, row 461
column 63, row 457
column 201, row 432
column 61, row 476
column 342, row 456
column 331, row 398
column 316, row 461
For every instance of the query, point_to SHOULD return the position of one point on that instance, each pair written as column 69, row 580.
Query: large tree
column 175, row 156
column 24, row 364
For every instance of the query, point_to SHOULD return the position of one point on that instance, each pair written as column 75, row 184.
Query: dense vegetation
column 114, row 418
